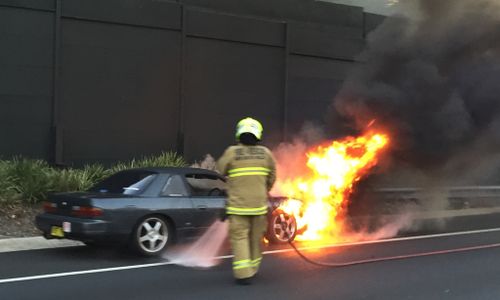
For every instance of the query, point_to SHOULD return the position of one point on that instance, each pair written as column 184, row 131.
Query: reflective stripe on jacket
column 251, row 173
column 247, row 211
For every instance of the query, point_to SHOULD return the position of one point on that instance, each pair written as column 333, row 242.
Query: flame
column 334, row 170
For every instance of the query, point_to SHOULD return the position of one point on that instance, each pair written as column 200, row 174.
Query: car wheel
column 151, row 236
column 282, row 227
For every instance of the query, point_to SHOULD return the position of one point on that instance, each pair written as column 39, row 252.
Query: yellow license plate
column 57, row 231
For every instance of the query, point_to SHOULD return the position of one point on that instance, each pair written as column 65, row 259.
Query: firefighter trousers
column 246, row 234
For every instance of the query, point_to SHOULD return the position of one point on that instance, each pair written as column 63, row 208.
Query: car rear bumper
column 74, row 228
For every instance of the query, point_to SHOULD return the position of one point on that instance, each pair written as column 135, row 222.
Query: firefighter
column 251, row 172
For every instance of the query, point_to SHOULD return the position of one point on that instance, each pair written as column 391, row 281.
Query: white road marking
column 103, row 270
column 65, row 274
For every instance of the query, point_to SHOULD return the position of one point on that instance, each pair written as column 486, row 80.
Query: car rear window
column 125, row 182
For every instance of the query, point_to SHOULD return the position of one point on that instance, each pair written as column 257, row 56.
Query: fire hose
column 284, row 227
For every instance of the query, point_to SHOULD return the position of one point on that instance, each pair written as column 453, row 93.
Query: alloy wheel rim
column 285, row 220
column 152, row 235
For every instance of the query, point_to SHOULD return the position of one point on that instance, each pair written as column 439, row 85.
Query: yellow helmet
column 249, row 125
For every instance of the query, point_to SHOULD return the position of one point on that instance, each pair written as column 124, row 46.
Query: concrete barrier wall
column 86, row 81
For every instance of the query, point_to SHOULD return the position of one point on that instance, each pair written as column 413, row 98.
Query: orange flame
column 334, row 170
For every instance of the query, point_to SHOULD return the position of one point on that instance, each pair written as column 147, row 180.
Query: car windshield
column 125, row 182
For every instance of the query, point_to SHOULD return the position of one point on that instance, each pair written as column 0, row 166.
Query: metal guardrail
column 459, row 191
column 459, row 196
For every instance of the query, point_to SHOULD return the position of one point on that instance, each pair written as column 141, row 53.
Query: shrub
column 68, row 180
column 95, row 172
column 164, row 159
column 28, row 178
column 31, row 180
column 208, row 163
column 7, row 192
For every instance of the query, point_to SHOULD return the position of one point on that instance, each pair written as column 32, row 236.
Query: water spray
column 202, row 253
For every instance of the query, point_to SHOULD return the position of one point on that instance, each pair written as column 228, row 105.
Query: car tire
column 282, row 227
column 151, row 236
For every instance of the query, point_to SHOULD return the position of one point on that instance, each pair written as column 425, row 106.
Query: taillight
column 86, row 211
column 49, row 207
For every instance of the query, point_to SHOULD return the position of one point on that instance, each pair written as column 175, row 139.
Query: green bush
column 164, row 159
column 7, row 192
column 95, row 172
column 31, row 180
column 67, row 180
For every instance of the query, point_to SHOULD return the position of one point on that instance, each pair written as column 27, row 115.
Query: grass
column 29, row 181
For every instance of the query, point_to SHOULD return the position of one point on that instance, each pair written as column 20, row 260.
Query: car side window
column 174, row 187
column 206, row 185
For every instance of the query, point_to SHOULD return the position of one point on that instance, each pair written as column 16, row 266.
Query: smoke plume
column 208, row 163
column 291, row 161
column 431, row 80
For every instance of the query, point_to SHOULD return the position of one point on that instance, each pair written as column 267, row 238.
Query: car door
column 208, row 197
column 176, row 196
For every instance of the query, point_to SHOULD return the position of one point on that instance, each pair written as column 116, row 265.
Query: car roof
column 177, row 170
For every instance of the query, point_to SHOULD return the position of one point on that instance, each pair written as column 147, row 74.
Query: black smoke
column 432, row 80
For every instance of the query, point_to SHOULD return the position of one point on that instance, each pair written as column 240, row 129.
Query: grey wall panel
column 235, row 28
column 312, row 67
column 36, row 4
column 337, row 14
column 114, row 142
column 120, row 90
column 372, row 21
column 225, row 82
column 26, row 79
column 300, row 10
column 326, row 41
column 27, row 140
column 163, row 14
column 313, row 84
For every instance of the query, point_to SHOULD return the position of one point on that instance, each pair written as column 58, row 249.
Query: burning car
column 149, row 209
column 333, row 170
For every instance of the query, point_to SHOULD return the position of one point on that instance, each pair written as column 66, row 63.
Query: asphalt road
column 84, row 273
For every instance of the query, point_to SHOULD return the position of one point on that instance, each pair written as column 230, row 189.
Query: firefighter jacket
column 251, row 173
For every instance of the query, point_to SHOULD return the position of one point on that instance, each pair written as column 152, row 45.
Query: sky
column 384, row 7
